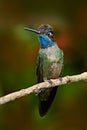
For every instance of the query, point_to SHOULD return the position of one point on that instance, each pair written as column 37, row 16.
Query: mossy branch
column 47, row 84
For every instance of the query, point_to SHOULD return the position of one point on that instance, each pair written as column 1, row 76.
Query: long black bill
column 32, row 30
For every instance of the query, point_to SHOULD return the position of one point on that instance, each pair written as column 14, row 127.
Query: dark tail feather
column 45, row 105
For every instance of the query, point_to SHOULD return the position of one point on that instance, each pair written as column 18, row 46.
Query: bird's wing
column 39, row 69
column 62, row 63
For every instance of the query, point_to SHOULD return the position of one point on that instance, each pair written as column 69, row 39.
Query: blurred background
column 18, row 52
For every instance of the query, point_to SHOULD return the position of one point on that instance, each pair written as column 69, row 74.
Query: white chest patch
column 51, row 53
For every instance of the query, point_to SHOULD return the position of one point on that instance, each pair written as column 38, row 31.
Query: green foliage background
column 18, row 52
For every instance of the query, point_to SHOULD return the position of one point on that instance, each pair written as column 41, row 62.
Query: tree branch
column 47, row 84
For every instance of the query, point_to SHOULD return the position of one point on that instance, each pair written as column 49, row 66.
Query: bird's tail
column 45, row 99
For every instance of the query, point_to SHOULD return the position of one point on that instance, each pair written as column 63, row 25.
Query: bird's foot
column 60, row 78
column 50, row 81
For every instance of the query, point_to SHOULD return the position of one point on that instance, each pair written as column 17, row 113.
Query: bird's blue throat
column 45, row 41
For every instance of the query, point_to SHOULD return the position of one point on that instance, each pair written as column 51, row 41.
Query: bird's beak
column 32, row 30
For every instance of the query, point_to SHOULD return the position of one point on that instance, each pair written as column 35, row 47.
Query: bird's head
column 45, row 35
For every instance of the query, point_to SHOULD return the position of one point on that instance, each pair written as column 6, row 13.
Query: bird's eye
column 50, row 34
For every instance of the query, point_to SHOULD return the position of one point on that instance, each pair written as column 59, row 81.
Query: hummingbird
column 49, row 65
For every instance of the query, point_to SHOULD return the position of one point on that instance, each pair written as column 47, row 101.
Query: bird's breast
column 51, row 65
column 51, row 53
